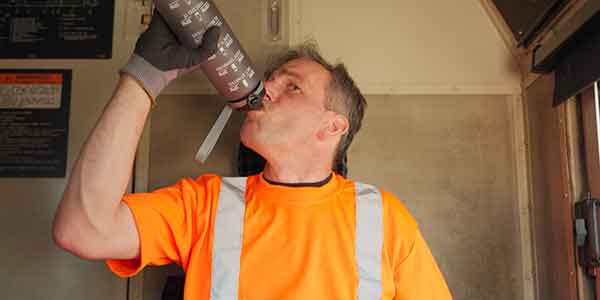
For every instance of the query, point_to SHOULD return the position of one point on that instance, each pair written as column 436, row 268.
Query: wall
column 32, row 267
column 450, row 160
column 417, row 47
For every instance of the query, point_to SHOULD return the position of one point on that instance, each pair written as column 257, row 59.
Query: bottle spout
column 254, row 101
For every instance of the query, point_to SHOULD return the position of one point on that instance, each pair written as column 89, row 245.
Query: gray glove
column 160, row 58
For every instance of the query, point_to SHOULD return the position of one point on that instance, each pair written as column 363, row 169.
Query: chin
column 248, row 136
column 253, row 139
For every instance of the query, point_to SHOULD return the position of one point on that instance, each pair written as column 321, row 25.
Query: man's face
column 294, row 108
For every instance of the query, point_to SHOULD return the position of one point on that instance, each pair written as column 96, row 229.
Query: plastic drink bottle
column 230, row 70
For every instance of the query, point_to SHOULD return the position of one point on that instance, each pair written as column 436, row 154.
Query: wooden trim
column 399, row 88
column 385, row 88
column 578, row 183
column 551, row 197
column 591, row 120
column 500, row 24
column 522, row 184
column 530, row 194
column 568, row 195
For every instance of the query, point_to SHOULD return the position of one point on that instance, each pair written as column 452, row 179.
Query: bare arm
column 91, row 221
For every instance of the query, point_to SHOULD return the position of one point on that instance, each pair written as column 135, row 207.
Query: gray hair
column 343, row 96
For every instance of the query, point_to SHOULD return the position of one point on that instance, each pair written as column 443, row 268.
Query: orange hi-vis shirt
column 297, row 242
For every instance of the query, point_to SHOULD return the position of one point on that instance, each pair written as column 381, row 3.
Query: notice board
column 34, row 122
column 56, row 29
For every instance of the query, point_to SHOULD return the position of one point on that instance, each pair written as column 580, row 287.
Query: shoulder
column 190, row 188
column 399, row 223
column 400, row 229
column 394, row 209
column 396, row 212
column 399, row 226
column 207, row 180
column 203, row 181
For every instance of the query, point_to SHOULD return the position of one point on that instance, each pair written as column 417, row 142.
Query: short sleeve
column 418, row 276
column 170, row 221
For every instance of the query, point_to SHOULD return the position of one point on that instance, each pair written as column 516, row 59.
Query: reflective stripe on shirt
column 369, row 240
column 228, row 230
column 227, row 246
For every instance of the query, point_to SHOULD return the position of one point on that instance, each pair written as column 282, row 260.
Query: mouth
column 252, row 114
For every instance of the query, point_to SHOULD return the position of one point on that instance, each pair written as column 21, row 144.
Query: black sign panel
column 34, row 122
column 56, row 28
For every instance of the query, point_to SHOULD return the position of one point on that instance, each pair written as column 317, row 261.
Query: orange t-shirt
column 298, row 242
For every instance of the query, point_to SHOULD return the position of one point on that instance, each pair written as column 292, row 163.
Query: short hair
column 343, row 96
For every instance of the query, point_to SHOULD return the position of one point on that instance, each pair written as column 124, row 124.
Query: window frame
column 590, row 107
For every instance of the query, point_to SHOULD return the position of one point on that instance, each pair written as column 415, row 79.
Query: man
column 295, row 231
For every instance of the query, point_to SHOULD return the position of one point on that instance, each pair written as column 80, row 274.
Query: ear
column 337, row 125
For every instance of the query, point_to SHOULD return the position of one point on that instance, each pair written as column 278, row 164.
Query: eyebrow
column 295, row 75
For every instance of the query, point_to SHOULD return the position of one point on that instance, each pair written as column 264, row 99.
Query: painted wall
column 410, row 47
column 450, row 160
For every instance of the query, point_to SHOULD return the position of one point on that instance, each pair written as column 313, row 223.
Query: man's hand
column 160, row 58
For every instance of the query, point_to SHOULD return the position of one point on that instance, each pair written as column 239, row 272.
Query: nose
column 273, row 89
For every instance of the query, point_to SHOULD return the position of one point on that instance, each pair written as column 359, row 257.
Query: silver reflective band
column 369, row 240
column 227, row 246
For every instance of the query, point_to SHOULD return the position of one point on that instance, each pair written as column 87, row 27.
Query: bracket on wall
column 274, row 19
column 587, row 233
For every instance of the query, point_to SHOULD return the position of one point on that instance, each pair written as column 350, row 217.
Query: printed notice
column 34, row 122
column 56, row 28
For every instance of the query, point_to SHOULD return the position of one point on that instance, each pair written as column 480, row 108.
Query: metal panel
column 526, row 18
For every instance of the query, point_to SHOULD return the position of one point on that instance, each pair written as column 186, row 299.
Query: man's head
column 311, row 108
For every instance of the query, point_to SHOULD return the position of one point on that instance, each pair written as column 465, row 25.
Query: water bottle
column 230, row 70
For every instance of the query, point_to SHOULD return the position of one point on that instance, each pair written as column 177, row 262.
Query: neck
column 291, row 169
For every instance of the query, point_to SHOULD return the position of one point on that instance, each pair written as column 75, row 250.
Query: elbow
column 61, row 237
column 64, row 238
column 67, row 238
column 69, row 243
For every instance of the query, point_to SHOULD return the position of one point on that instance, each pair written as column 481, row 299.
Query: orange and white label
column 30, row 90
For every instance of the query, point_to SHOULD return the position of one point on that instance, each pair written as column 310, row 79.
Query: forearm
column 101, row 174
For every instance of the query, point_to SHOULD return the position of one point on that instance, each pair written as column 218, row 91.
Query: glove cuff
column 152, row 80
